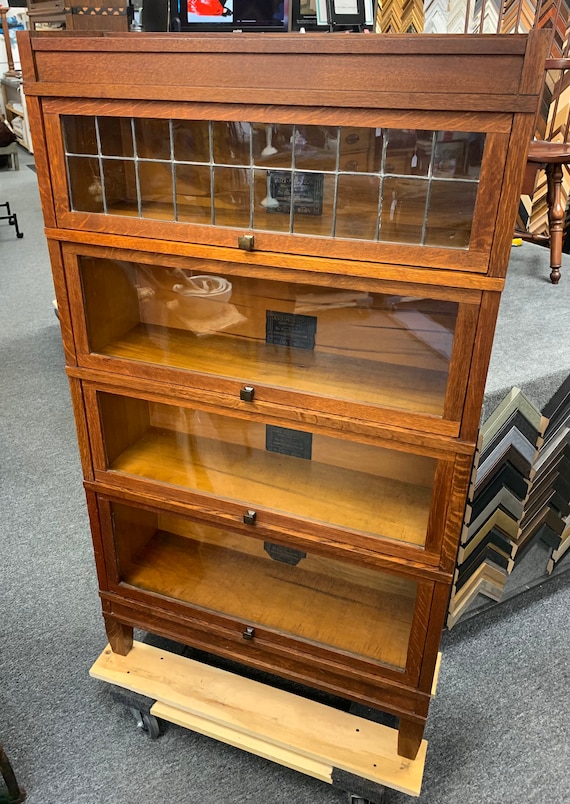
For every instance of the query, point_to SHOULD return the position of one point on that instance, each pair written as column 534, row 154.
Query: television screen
column 230, row 15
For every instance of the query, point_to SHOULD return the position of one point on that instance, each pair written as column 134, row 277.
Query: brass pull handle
column 246, row 242
column 246, row 393
column 249, row 517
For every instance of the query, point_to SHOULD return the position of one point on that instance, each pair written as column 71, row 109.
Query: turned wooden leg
column 120, row 636
column 410, row 735
column 556, row 214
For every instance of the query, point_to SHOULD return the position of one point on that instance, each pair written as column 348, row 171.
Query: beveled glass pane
column 191, row 140
column 335, row 482
column 357, row 207
column 116, row 136
column 450, row 214
column 313, row 203
column 232, row 197
column 79, row 134
column 193, row 193
column 329, row 344
column 408, row 152
column 325, row 601
column 120, row 187
column 157, row 194
column 85, row 184
column 314, row 149
column 403, row 210
column 152, row 138
column 272, row 144
column 360, row 149
column 272, row 204
column 232, row 142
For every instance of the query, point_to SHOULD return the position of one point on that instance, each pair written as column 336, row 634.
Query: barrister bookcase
column 278, row 262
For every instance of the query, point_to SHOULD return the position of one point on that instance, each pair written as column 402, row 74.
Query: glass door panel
column 369, row 348
column 353, row 486
column 361, row 611
column 357, row 183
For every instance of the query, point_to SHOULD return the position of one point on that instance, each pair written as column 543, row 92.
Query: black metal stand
column 15, row 793
column 12, row 219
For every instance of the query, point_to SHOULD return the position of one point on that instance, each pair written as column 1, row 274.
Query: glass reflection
column 297, row 473
column 328, row 344
column 116, row 136
column 358, row 183
column 272, row 144
column 272, row 207
column 85, row 187
column 313, row 149
column 232, row 143
column 403, row 210
column 408, row 152
column 191, row 140
column 272, row 585
column 120, row 187
column 357, row 207
column 152, row 138
column 79, row 135
column 231, row 196
column 313, row 202
column 450, row 214
column 193, row 198
column 157, row 198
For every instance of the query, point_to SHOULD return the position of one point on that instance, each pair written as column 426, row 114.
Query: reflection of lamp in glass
column 269, row 149
column 269, row 202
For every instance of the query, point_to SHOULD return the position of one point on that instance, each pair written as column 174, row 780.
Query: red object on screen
column 205, row 8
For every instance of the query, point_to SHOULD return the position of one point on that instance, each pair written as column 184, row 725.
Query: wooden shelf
column 347, row 613
column 17, row 112
column 317, row 373
column 298, row 733
column 323, row 493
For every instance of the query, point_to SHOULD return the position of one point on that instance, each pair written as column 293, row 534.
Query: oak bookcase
column 278, row 262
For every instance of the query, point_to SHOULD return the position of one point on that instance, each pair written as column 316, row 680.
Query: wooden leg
column 120, row 636
column 555, row 219
column 410, row 735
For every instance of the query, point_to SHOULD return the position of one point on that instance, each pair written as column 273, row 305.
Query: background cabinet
column 14, row 103
column 277, row 321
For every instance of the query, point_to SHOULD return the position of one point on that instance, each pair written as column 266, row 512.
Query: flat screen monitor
column 230, row 15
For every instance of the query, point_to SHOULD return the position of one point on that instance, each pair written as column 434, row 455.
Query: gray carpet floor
column 499, row 727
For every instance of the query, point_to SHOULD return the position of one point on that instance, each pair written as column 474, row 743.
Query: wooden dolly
column 342, row 749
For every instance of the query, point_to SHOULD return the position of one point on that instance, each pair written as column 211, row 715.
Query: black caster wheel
column 146, row 722
column 20, row 234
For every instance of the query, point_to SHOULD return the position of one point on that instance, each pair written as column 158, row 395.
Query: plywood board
column 283, row 727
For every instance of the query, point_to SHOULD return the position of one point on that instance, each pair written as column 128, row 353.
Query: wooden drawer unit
column 277, row 298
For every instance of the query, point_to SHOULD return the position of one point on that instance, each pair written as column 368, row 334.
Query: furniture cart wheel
column 355, row 799
column 146, row 723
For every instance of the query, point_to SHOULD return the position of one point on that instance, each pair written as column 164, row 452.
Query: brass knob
column 246, row 242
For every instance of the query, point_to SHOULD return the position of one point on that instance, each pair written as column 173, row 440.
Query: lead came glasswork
column 373, row 184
